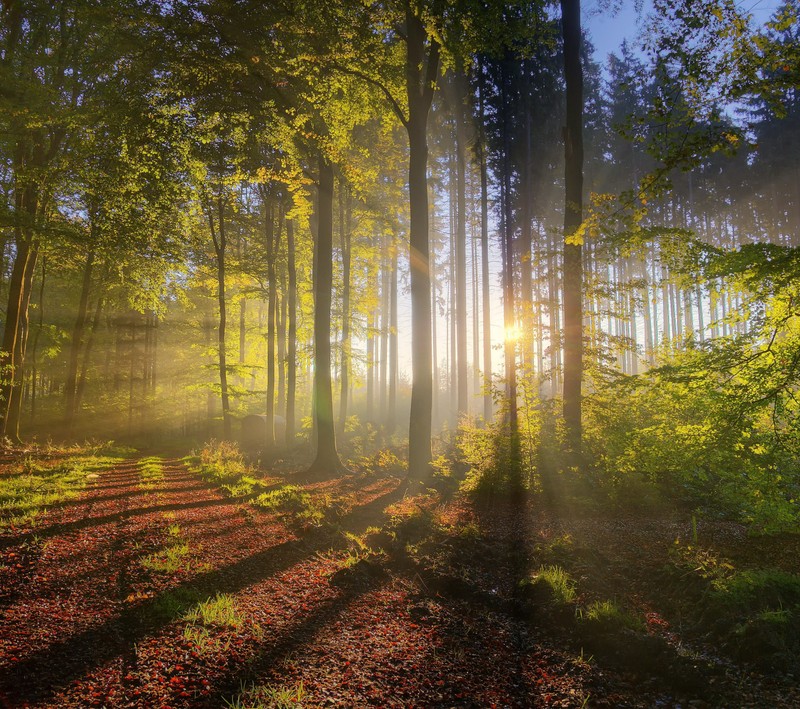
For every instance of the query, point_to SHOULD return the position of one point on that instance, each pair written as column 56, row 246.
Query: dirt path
column 175, row 596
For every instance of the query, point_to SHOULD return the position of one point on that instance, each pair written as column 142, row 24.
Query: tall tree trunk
column 510, row 339
column 344, row 233
column 460, row 98
column 81, row 387
column 420, row 81
column 485, row 294
column 291, row 355
column 218, row 236
column 391, row 419
column 35, row 349
column 384, row 358
column 282, row 315
column 18, row 372
column 77, row 338
column 573, row 216
column 272, row 238
column 327, row 458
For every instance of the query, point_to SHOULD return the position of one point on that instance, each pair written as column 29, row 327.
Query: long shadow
column 66, row 660
column 87, row 522
column 290, row 640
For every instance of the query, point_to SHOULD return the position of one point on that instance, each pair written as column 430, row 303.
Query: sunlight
column 513, row 333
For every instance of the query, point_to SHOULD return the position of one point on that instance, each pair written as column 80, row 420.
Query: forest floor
column 146, row 586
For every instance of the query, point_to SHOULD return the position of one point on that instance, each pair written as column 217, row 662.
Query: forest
column 399, row 353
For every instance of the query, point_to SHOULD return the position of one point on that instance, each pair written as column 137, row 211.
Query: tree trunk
column 573, row 216
column 291, row 355
column 485, row 295
column 419, row 88
column 35, row 348
column 81, row 387
column 344, row 227
column 460, row 98
column 510, row 338
column 272, row 238
column 220, row 244
column 327, row 459
column 391, row 419
column 77, row 339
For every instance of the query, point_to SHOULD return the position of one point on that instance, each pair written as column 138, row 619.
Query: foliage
column 558, row 585
column 223, row 464
column 699, row 429
column 34, row 486
column 609, row 616
column 151, row 472
column 221, row 610
column 292, row 500
column 255, row 696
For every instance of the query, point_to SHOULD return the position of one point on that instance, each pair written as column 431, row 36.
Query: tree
column 573, row 217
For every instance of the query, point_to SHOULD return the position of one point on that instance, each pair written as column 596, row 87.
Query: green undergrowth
column 176, row 555
column 609, row 616
column 259, row 696
column 151, row 472
column 34, row 485
column 756, row 612
column 222, row 464
column 221, row 611
column 293, row 500
column 552, row 583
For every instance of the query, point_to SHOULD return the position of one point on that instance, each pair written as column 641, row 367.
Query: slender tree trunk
column 485, row 295
column 272, row 236
column 459, row 83
column 436, row 417
column 391, row 421
column 81, row 387
column 220, row 245
column 327, row 458
column 77, row 338
column 35, row 349
column 384, row 359
column 419, row 87
column 344, row 227
column 282, row 315
column 510, row 338
column 573, row 216
column 291, row 368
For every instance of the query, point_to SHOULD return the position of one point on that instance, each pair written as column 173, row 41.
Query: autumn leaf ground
column 152, row 588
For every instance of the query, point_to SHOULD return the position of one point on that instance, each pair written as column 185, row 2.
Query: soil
column 394, row 600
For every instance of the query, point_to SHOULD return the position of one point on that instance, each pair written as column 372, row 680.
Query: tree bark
column 485, row 294
column 77, row 339
column 344, row 227
column 327, row 459
column 291, row 355
column 272, row 296
column 420, row 78
column 573, row 216
column 460, row 98
column 220, row 244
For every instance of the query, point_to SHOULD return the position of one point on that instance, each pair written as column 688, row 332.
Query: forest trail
column 153, row 589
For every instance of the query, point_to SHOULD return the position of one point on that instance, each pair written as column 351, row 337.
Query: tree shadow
column 34, row 679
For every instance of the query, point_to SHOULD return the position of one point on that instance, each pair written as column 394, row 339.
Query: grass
column 268, row 697
column 610, row 616
column 35, row 486
column 167, row 560
column 222, row 464
column 220, row 611
column 291, row 499
column 151, row 472
column 556, row 582
column 758, row 590
column 172, row 604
